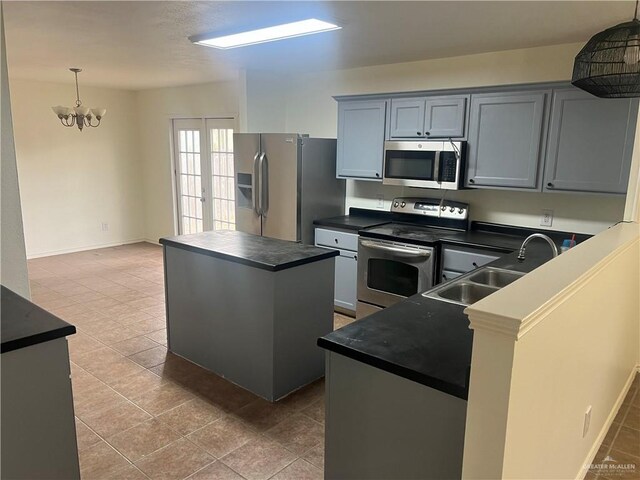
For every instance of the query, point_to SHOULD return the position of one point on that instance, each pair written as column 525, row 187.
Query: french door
column 204, row 174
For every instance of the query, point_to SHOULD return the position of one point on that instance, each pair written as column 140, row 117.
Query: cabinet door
column 346, row 280
column 444, row 117
column 505, row 139
column 361, row 127
column 407, row 118
column 590, row 143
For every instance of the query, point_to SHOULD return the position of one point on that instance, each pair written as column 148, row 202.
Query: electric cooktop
column 433, row 219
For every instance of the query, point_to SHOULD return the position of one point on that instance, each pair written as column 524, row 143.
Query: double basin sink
column 473, row 287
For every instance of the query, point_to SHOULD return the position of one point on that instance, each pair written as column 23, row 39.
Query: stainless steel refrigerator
column 284, row 182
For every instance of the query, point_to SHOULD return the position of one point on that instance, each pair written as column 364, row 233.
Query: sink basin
column 495, row 277
column 465, row 293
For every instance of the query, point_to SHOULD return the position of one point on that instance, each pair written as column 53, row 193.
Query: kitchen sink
column 495, row 277
column 466, row 292
column 474, row 286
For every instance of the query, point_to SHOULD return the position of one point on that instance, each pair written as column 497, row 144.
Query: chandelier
column 79, row 115
column 609, row 64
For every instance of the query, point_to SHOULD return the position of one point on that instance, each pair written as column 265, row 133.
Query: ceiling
column 143, row 44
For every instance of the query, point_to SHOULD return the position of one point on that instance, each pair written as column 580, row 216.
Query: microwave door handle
column 403, row 251
column 436, row 167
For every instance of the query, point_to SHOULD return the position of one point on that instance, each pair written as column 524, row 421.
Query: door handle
column 256, row 184
column 403, row 251
column 264, row 181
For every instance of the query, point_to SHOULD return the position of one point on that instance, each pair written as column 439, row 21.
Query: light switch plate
column 546, row 219
column 380, row 203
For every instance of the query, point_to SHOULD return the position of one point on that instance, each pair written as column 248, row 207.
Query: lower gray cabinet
column 346, row 280
column 505, row 139
column 458, row 260
column 346, row 265
column 590, row 143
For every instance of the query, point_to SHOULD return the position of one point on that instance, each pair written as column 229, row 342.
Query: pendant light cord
column 78, row 102
column 635, row 15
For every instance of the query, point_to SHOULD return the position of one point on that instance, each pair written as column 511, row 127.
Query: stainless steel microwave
column 428, row 164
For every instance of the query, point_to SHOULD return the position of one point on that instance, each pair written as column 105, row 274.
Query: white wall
column 546, row 348
column 13, row 262
column 71, row 181
column 155, row 108
column 310, row 108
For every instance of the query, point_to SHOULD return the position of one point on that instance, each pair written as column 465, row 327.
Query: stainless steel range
column 398, row 259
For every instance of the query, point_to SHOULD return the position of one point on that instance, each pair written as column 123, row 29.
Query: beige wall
column 13, row 262
column 155, row 109
column 71, row 182
column 310, row 108
column 546, row 348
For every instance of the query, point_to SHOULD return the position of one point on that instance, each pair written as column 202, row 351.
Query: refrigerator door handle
column 256, row 184
column 264, row 181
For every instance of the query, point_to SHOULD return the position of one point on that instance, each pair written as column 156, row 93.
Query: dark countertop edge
column 30, row 340
column 394, row 369
column 247, row 262
column 58, row 329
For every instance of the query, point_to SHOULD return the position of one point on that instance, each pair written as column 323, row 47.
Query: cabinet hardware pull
column 419, row 133
column 474, row 264
column 549, row 184
column 471, row 180
column 427, row 133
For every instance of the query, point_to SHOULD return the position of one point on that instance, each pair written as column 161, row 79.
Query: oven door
column 412, row 164
column 389, row 271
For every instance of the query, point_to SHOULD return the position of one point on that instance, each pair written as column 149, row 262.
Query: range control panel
column 431, row 207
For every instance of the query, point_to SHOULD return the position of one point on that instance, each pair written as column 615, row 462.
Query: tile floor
column 145, row 413
column 142, row 412
column 621, row 446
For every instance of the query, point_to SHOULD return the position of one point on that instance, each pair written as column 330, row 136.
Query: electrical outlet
column 546, row 219
column 380, row 203
column 587, row 422
column 105, row 226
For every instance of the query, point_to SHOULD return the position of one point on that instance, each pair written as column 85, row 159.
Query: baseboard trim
column 84, row 249
column 154, row 242
column 607, row 425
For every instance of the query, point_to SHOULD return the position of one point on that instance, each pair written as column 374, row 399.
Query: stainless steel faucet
column 554, row 249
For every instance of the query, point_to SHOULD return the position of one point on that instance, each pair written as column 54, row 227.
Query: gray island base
column 249, row 308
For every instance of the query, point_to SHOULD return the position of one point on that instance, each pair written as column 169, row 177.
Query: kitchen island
column 397, row 386
column 249, row 308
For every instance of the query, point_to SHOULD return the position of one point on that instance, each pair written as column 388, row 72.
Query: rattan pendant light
column 608, row 66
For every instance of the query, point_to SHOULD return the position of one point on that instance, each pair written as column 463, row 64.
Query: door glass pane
column 189, row 181
column 221, row 155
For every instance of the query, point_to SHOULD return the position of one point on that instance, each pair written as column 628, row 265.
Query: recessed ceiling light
column 262, row 35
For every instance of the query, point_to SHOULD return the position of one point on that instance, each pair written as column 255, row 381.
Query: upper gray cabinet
column 590, row 143
column 428, row 117
column 506, row 138
column 361, row 133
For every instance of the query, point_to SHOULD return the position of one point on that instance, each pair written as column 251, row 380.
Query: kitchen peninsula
column 397, row 386
column 249, row 308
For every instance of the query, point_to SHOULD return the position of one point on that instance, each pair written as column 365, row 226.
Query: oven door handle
column 402, row 251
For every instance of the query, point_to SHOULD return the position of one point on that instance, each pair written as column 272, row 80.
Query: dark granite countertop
column 352, row 222
column 25, row 324
column 252, row 250
column 422, row 339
